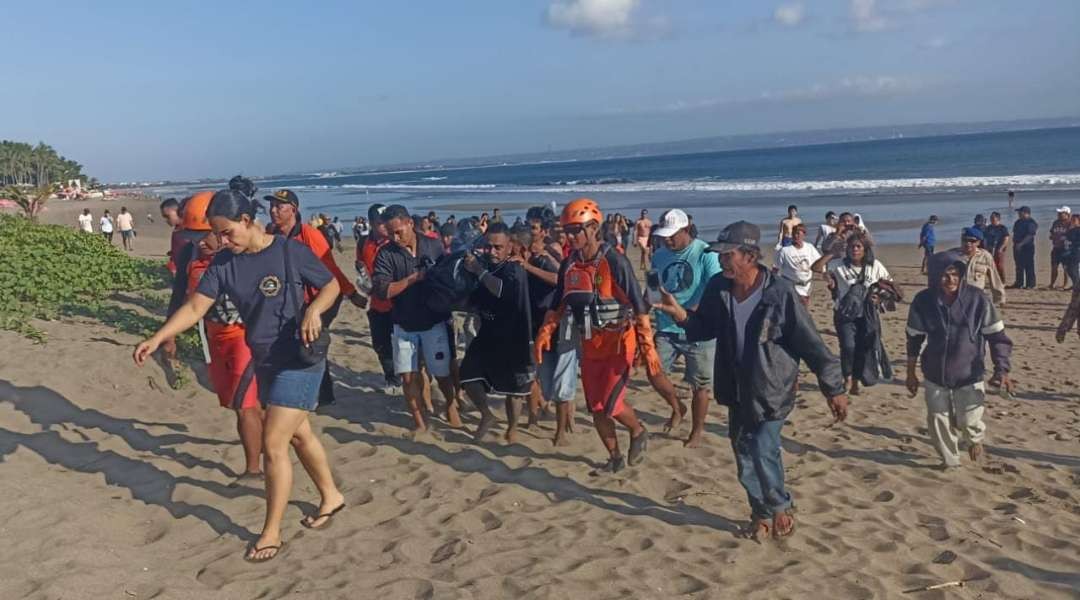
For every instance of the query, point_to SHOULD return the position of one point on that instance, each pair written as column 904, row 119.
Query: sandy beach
column 116, row 486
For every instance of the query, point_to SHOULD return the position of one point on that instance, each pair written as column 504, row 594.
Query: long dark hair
column 868, row 249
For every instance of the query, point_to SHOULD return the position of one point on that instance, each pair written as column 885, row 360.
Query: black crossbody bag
column 317, row 350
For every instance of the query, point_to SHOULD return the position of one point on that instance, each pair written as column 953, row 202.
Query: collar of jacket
column 771, row 293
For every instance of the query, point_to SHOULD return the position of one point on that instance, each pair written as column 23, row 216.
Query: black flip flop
column 307, row 522
column 278, row 548
column 638, row 445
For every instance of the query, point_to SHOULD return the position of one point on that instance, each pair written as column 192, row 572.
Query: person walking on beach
column 793, row 263
column 265, row 277
column 170, row 213
column 380, row 322
column 956, row 322
column 1071, row 316
column 825, row 229
column 86, row 221
column 684, row 267
column 980, row 272
column 1023, row 237
column 499, row 359
column 836, row 242
column 850, row 278
column 927, row 241
column 1072, row 250
column 125, row 222
column 642, row 237
column 106, row 226
column 787, row 225
column 995, row 241
column 762, row 332
column 1059, row 246
column 231, row 366
column 285, row 220
column 418, row 331
column 597, row 285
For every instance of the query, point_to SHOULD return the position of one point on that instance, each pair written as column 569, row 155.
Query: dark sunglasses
column 573, row 229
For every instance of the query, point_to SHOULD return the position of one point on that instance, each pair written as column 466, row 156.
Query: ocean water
column 894, row 183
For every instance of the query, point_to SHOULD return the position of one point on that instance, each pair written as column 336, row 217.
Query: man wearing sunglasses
column 981, row 272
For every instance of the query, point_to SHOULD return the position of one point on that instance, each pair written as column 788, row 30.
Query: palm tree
column 32, row 202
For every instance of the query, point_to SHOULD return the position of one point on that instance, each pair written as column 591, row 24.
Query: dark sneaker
column 613, row 465
column 638, row 445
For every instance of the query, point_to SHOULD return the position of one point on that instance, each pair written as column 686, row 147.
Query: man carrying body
column 1023, row 236
column 996, row 240
column 685, row 266
column 787, row 225
column 793, row 263
column 980, row 272
column 927, row 240
column 1058, row 247
column 399, row 270
column 499, row 361
column 642, row 230
column 957, row 322
column 762, row 331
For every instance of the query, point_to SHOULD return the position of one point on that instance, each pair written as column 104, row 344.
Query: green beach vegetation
column 50, row 272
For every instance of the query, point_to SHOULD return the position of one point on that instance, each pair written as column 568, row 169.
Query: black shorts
column 1058, row 256
column 500, row 373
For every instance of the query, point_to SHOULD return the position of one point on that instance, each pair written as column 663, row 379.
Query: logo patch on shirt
column 270, row 286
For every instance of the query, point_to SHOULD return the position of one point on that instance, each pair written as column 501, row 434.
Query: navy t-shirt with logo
column 256, row 284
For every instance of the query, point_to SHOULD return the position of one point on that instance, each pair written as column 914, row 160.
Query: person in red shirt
column 380, row 322
column 285, row 220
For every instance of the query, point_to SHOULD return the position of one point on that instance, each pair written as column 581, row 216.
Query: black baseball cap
column 374, row 213
column 286, row 196
column 1026, row 209
column 739, row 233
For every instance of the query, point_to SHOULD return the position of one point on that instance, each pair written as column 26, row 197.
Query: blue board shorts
column 290, row 387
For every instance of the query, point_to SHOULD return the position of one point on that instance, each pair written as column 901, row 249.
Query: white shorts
column 433, row 343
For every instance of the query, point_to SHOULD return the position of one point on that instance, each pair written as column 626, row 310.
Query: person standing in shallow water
column 265, row 276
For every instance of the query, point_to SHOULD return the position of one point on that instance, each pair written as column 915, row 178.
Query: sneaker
column 392, row 390
column 613, row 465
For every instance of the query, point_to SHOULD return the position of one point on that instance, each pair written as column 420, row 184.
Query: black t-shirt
column 1024, row 232
column 393, row 263
column 541, row 293
column 1072, row 242
column 256, row 285
column 994, row 236
column 505, row 326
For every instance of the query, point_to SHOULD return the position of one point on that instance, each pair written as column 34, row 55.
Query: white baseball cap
column 1065, row 209
column 671, row 222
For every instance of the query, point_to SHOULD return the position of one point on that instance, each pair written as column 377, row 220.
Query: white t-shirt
column 106, row 225
column 741, row 312
column 86, row 223
column 846, row 276
column 125, row 221
column 824, row 231
column 794, row 265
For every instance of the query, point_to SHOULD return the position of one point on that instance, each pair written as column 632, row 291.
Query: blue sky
column 148, row 90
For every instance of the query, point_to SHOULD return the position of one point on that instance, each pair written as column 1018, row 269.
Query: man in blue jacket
column 762, row 331
column 956, row 322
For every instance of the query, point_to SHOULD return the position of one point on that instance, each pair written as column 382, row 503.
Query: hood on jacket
column 938, row 264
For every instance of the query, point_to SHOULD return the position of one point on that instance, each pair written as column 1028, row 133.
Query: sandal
column 250, row 555
column 308, row 520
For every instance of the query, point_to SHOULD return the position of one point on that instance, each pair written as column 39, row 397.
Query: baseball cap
column 374, row 212
column 739, row 233
column 286, row 196
column 1065, row 209
column 671, row 222
column 972, row 233
column 1026, row 209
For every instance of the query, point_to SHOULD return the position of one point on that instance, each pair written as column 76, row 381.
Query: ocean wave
column 857, row 185
column 605, row 181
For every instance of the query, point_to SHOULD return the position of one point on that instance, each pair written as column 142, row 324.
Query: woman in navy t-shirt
column 253, row 275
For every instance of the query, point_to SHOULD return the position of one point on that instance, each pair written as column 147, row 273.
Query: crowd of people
column 555, row 294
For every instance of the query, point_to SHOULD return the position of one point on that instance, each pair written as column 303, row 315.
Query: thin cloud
column 867, row 16
column 791, row 14
column 606, row 19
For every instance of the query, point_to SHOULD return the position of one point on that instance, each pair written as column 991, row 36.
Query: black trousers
column 326, row 388
column 849, row 333
column 382, row 331
column 1024, row 257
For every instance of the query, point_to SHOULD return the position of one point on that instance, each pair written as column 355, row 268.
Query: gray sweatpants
column 952, row 415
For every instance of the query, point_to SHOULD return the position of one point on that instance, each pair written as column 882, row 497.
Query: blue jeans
column 761, row 469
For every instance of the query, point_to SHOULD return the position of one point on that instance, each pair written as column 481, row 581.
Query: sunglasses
column 573, row 229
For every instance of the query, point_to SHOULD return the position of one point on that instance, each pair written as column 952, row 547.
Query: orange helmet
column 581, row 211
column 195, row 212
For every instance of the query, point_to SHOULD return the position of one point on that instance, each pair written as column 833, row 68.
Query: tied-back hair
column 243, row 185
column 232, row 205
column 868, row 249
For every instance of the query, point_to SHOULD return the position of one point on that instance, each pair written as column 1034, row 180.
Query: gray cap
column 739, row 233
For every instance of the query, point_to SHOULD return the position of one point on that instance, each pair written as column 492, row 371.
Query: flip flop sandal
column 277, row 549
column 638, row 446
column 307, row 521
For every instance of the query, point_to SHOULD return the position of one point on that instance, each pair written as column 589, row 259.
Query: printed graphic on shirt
column 270, row 286
column 677, row 276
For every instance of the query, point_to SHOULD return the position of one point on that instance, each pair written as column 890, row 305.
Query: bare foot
column 511, row 435
column 453, row 417
column 676, row 418
column 783, row 525
column 694, row 441
column 486, row 420
column 975, row 452
column 757, row 530
column 560, row 441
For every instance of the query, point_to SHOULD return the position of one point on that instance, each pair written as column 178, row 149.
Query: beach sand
column 116, row 486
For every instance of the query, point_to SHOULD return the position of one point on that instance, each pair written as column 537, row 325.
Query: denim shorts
column 292, row 387
column 699, row 357
column 432, row 344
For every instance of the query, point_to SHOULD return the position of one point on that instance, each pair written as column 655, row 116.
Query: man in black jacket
column 762, row 331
